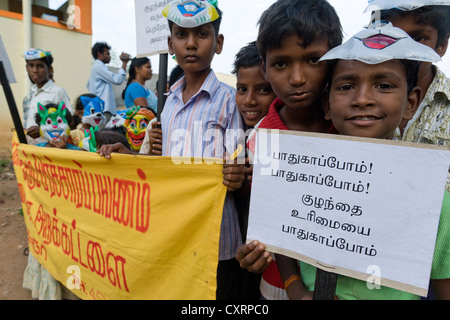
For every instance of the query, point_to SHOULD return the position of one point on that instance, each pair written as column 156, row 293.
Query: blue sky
column 114, row 22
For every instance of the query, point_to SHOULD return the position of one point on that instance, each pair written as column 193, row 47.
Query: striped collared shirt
column 206, row 126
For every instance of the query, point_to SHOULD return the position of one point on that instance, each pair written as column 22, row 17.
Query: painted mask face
column 53, row 122
column 93, row 111
column 136, row 123
column 191, row 13
column 116, row 121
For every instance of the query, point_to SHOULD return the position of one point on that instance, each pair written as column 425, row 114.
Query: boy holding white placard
column 373, row 88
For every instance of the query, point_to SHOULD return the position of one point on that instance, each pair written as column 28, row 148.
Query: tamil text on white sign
column 345, row 205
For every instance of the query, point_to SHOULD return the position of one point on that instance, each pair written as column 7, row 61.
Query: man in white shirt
column 101, row 79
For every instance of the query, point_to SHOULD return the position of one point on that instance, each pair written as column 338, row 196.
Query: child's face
column 370, row 100
column 254, row 95
column 194, row 48
column 423, row 33
column 38, row 72
column 295, row 73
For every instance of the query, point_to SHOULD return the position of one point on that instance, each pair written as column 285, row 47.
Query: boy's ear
column 262, row 67
column 442, row 49
column 169, row 44
column 220, row 40
column 326, row 106
column 414, row 100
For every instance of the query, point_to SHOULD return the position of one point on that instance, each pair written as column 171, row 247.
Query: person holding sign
column 373, row 89
column 292, row 37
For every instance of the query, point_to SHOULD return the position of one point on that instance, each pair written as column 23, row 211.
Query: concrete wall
column 72, row 65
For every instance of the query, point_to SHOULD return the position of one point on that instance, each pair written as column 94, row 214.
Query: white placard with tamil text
column 152, row 29
column 344, row 204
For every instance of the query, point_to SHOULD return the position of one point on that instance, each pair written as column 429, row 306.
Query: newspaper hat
column 191, row 13
column 379, row 44
column 406, row 5
column 34, row 54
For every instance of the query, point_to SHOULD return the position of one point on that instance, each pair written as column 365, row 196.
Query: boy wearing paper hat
column 372, row 88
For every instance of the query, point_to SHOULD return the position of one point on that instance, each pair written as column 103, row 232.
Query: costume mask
column 116, row 121
column 89, row 143
column 35, row 54
column 379, row 44
column 136, row 123
column 53, row 122
column 406, row 5
column 191, row 13
column 93, row 111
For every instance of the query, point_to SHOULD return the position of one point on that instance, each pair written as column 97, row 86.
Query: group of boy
column 300, row 63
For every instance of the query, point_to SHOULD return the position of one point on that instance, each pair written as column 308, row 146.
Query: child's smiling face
column 253, row 95
column 370, row 100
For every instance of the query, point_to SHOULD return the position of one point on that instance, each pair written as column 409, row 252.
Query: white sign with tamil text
column 344, row 204
column 152, row 29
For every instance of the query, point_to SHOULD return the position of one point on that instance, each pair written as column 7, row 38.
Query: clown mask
column 136, row 123
column 93, row 112
column 53, row 122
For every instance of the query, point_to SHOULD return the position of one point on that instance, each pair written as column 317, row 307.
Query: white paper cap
column 406, row 5
column 379, row 44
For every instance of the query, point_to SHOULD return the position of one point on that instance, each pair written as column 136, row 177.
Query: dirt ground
column 13, row 239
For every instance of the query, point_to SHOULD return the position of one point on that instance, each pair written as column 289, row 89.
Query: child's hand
column 33, row 132
column 107, row 149
column 248, row 170
column 254, row 257
column 61, row 143
column 233, row 175
column 155, row 135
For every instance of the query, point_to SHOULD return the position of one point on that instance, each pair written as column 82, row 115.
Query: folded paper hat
column 379, row 44
column 191, row 13
column 34, row 54
column 406, row 5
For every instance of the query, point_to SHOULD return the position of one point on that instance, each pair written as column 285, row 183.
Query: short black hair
column 435, row 16
column 308, row 19
column 216, row 23
column 247, row 57
column 111, row 136
column 99, row 47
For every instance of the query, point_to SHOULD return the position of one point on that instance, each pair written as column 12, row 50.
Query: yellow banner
column 132, row 227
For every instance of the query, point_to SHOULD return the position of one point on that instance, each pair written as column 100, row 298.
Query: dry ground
column 13, row 238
